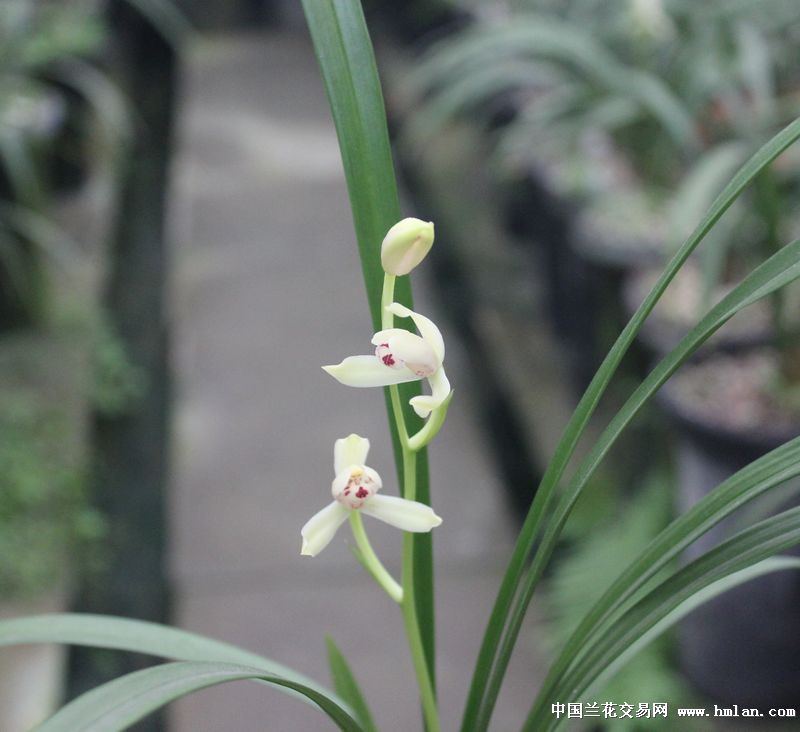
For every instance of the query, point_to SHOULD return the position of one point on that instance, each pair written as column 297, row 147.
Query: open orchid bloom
column 355, row 488
column 401, row 356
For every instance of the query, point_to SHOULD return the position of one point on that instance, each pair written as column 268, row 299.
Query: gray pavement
column 268, row 289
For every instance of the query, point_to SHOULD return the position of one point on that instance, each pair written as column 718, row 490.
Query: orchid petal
column 363, row 371
column 401, row 513
column 350, row 450
column 440, row 390
column 321, row 527
column 415, row 352
column 432, row 426
column 408, row 347
column 426, row 327
column 384, row 336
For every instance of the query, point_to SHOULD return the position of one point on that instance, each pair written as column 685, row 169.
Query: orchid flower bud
column 405, row 245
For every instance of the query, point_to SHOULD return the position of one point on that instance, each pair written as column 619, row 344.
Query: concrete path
column 268, row 289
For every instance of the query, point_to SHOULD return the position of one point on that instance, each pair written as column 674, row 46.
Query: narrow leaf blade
column 120, row 703
column 138, row 636
column 741, row 552
column 347, row 687
column 499, row 622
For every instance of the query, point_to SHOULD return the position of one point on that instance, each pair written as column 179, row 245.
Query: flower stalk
column 408, row 606
column 387, row 298
column 370, row 561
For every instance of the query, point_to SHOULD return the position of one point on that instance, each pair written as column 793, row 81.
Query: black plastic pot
column 743, row 647
column 540, row 221
column 607, row 266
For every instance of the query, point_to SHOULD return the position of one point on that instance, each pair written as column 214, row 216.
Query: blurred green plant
column 43, row 46
column 117, row 384
column 60, row 112
column 660, row 80
column 639, row 112
column 46, row 523
column 51, row 88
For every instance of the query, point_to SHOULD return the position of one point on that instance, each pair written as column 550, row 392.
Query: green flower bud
column 405, row 245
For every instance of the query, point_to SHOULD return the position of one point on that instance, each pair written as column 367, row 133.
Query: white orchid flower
column 401, row 356
column 355, row 488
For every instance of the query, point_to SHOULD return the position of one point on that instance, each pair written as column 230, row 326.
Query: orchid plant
column 652, row 593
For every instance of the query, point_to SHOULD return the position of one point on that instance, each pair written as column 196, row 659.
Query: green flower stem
column 409, row 491
column 409, row 607
column 370, row 560
column 402, row 431
column 387, row 298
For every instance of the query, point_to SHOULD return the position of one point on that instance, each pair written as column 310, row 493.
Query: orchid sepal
column 367, row 371
column 431, row 428
column 320, row 529
column 403, row 514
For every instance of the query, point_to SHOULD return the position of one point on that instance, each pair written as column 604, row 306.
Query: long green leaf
column 780, row 269
column 738, row 553
column 751, row 482
column 120, row 703
column 705, row 179
column 345, row 56
column 698, row 599
column 347, row 687
column 498, row 623
column 101, row 631
column 347, row 62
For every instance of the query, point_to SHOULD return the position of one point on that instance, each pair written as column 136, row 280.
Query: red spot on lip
column 362, row 492
column 388, row 359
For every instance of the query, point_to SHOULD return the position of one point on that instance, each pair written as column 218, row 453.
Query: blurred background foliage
column 63, row 120
column 75, row 380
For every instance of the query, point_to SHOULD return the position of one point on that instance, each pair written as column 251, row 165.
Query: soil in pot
column 681, row 306
column 614, row 234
